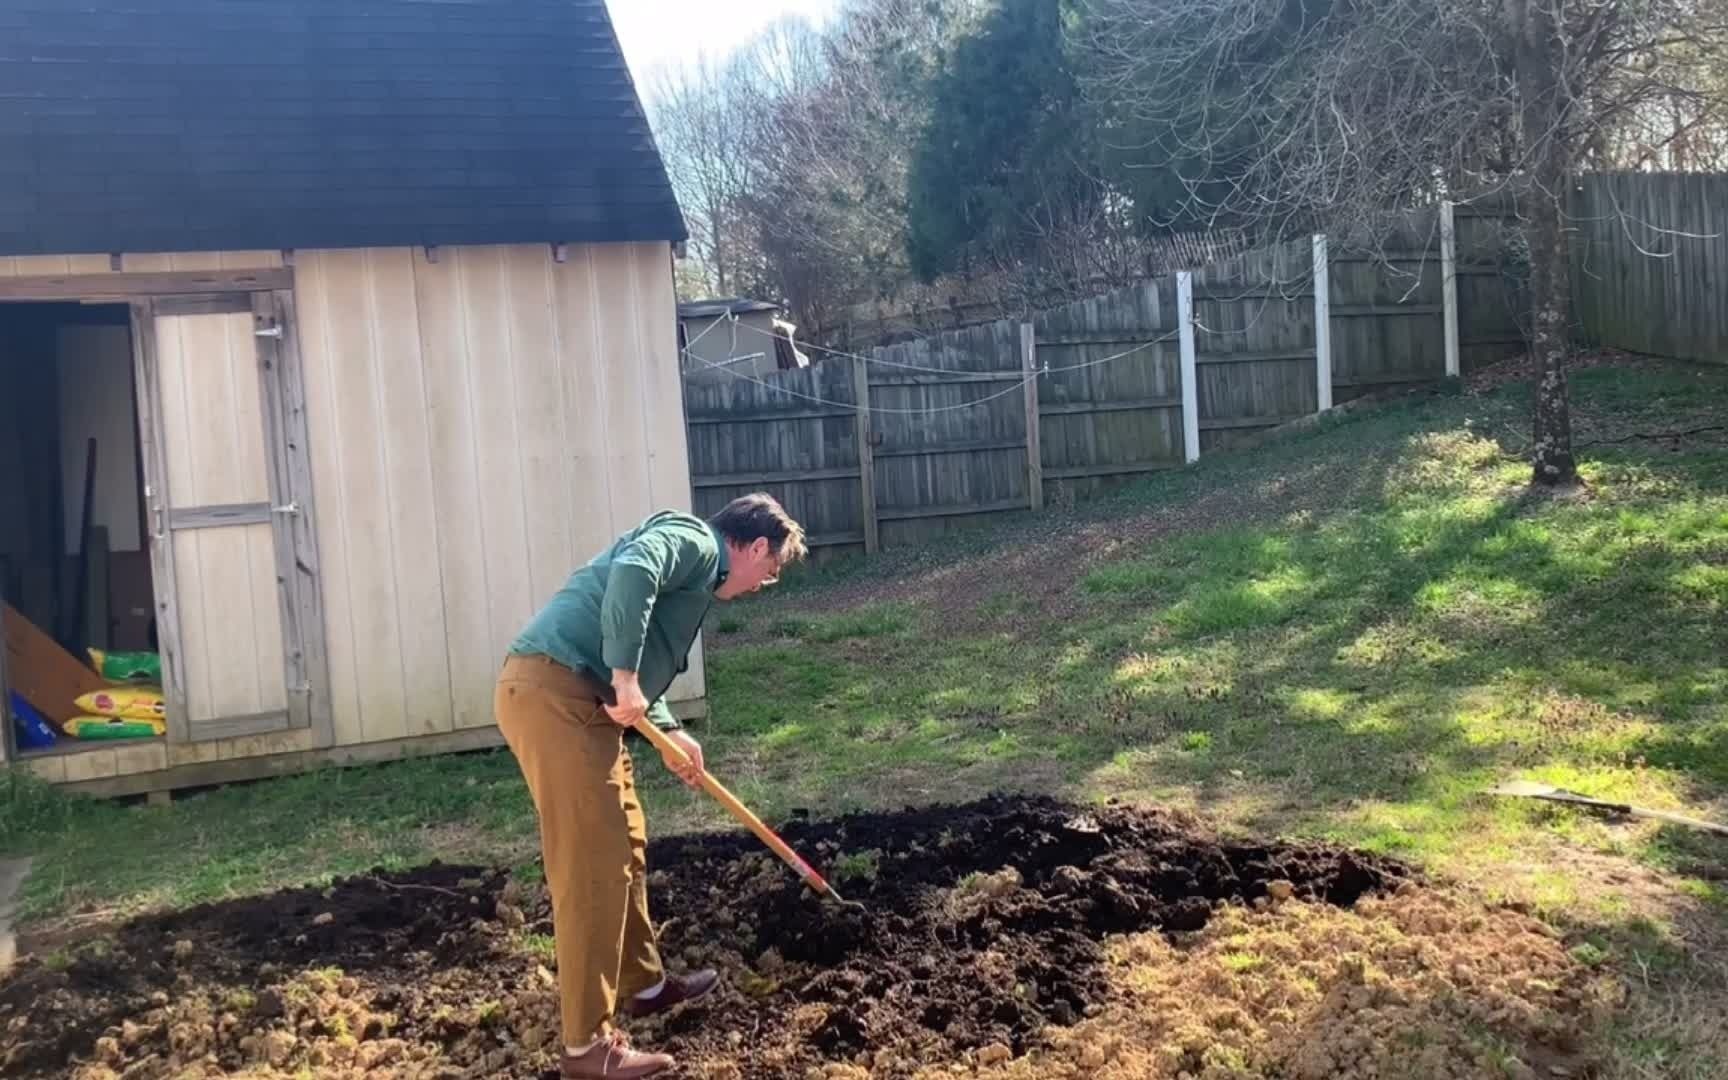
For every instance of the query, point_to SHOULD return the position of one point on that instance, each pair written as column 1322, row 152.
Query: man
column 599, row 656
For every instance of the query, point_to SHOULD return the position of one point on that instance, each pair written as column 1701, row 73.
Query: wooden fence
column 927, row 435
column 1650, row 263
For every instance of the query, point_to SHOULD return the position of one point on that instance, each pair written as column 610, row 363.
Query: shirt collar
column 722, row 567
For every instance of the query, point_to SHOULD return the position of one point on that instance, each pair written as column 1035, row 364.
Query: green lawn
column 1348, row 634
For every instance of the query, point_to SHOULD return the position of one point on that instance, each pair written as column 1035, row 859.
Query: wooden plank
column 297, row 533
column 27, row 266
column 1127, row 468
column 144, row 755
column 1190, row 374
column 234, row 767
column 1255, row 357
column 788, row 476
column 1088, row 408
column 409, row 488
column 954, row 510
column 324, row 435
column 42, row 673
column 275, row 562
column 1034, row 453
column 838, row 539
column 91, row 764
column 863, row 432
column 449, row 368
column 1248, row 422
column 1358, row 311
column 626, row 450
column 1250, row 295
column 947, row 378
column 655, row 309
column 47, row 767
column 363, row 481
column 239, row 724
column 128, row 285
column 205, row 304
column 1057, row 341
column 250, row 260
column 980, row 447
column 1322, row 323
column 537, row 390
column 210, row 517
column 1394, row 379
column 147, row 349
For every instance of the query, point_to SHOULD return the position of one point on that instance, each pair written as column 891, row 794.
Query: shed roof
column 173, row 125
column 702, row 309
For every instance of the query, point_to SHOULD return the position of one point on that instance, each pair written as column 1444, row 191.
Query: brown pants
column 593, row 838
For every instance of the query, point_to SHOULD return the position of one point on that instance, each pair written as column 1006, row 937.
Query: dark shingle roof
column 164, row 125
column 701, row 309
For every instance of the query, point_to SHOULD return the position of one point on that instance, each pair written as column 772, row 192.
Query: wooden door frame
column 268, row 297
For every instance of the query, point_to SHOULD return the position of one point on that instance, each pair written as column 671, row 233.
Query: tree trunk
column 1544, row 121
column 1550, row 280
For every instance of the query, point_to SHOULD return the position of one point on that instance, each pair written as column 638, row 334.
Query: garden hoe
column 742, row 813
column 1531, row 790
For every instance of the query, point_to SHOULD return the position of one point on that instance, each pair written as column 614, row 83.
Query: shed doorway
column 75, row 566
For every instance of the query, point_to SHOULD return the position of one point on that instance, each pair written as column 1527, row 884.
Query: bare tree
column 1283, row 116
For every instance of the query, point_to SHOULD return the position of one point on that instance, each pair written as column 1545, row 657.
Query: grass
column 1377, row 624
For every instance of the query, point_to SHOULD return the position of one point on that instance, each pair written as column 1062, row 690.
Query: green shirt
column 637, row 606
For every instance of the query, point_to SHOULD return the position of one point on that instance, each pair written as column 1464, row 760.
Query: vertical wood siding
column 480, row 426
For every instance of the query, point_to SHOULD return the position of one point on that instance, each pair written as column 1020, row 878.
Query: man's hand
column 691, row 772
column 631, row 705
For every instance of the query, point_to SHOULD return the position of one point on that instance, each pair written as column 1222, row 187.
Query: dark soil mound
column 983, row 924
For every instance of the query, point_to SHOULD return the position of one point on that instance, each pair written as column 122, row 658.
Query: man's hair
column 750, row 517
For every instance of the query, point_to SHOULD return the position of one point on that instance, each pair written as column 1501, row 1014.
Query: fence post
column 1190, row 382
column 1034, row 448
column 1322, row 322
column 866, row 456
column 1449, row 284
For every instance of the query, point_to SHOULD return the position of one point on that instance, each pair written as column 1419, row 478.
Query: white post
column 1449, row 285
column 1190, row 382
column 1322, row 322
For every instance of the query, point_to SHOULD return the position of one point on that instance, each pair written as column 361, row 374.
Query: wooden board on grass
column 44, row 674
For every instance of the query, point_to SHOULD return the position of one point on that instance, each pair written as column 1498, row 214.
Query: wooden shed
column 333, row 335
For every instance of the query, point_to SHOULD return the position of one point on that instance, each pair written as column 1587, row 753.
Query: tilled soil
column 986, row 933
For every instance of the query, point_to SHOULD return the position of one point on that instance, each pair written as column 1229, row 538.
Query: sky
column 655, row 33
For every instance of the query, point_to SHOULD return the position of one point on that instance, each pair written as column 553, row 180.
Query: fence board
column 1650, row 263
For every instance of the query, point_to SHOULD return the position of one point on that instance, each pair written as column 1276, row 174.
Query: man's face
column 752, row 566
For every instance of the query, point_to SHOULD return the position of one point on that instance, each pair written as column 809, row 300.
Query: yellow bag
column 126, row 703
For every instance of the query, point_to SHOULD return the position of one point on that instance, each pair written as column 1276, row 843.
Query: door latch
column 274, row 330
column 291, row 508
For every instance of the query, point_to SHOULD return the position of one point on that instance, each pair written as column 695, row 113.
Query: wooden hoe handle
column 738, row 810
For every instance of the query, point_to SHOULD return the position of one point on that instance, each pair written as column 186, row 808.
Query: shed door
column 229, row 515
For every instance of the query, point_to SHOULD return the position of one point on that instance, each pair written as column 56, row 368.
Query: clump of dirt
column 985, row 939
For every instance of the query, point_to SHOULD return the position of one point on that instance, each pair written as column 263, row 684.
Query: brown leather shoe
column 678, row 989
column 611, row 1059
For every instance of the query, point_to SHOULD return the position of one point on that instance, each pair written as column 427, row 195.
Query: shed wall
column 480, row 425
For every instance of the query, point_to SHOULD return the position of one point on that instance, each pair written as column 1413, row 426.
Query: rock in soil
column 986, row 931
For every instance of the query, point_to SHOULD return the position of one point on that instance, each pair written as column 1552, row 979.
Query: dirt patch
column 988, row 935
column 1419, row 984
